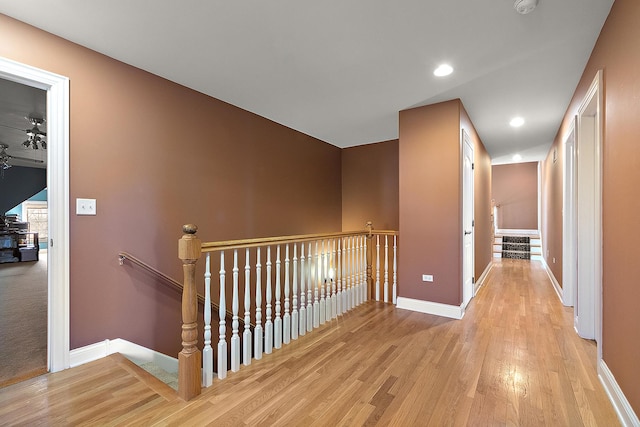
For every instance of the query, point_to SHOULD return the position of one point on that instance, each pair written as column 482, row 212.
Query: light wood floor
column 23, row 320
column 513, row 360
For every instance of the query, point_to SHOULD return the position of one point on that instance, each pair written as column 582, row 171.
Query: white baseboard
column 134, row 352
column 430, row 307
column 623, row 408
column 554, row 281
column 480, row 282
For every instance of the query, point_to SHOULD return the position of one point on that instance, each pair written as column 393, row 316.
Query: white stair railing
column 330, row 278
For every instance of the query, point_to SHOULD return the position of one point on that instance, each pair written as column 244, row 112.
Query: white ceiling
column 17, row 102
column 341, row 70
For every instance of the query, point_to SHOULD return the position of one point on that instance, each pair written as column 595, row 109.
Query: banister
column 262, row 241
column 122, row 256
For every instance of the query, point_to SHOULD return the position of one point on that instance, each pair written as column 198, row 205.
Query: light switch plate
column 427, row 277
column 85, row 206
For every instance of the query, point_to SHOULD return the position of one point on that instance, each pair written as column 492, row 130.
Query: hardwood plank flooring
column 514, row 359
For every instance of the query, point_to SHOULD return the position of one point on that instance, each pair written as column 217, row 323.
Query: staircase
column 518, row 245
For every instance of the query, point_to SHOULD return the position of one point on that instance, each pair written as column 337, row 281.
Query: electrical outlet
column 427, row 277
column 85, row 206
column 554, row 260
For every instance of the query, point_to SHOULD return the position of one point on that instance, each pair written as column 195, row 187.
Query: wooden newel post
column 369, row 255
column 190, row 358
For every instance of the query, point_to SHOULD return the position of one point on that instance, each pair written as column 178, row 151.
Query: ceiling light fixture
column 443, row 70
column 525, row 6
column 517, row 157
column 516, row 122
column 35, row 137
column 4, row 159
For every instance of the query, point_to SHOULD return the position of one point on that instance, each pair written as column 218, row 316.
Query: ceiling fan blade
column 26, row 159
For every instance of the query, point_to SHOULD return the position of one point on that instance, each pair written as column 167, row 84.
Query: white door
column 467, row 219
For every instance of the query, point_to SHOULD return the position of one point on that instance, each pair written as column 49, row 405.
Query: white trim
column 134, row 352
column 57, row 88
column 514, row 231
column 480, row 282
column 554, row 281
column 623, row 408
column 569, row 220
column 430, row 307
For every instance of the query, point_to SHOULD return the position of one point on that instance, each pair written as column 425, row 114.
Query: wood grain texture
column 514, row 359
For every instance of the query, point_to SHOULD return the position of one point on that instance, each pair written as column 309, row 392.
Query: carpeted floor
column 23, row 320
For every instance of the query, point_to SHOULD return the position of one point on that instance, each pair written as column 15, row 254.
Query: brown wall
column 370, row 186
column 514, row 188
column 616, row 53
column 157, row 155
column 430, row 202
column 551, row 212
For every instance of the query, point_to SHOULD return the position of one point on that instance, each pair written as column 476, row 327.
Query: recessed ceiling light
column 516, row 122
column 517, row 157
column 443, row 70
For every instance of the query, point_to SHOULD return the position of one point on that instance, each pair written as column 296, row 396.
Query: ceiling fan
column 35, row 137
column 5, row 158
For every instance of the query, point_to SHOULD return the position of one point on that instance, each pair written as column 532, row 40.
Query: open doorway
column 588, row 213
column 56, row 89
column 23, row 232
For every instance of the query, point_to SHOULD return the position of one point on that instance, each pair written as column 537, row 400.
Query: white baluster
column 386, row 268
column 246, row 336
column 235, row 338
column 334, row 290
column 323, row 284
column 395, row 274
column 339, row 280
column 222, row 330
column 329, row 280
column 268, row 325
column 309, row 287
column 356, row 294
column 365, row 281
column 286, row 327
column 294, row 310
column 207, row 351
column 277, row 325
column 303, row 309
column 347, row 277
column 316, row 303
column 257, row 332
column 352, row 293
column 377, row 267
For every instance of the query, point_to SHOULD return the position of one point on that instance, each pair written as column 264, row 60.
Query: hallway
column 514, row 359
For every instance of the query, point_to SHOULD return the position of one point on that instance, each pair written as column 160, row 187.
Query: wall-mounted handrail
column 122, row 256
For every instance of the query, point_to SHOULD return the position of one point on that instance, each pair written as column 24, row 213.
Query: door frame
column 57, row 88
column 588, row 298
column 569, row 219
column 468, row 291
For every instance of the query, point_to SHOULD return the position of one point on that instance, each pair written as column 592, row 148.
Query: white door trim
column 57, row 88
column 467, row 288
column 569, row 220
column 589, row 213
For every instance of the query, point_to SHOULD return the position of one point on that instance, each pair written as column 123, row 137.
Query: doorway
column 467, row 220
column 57, row 88
column 588, row 214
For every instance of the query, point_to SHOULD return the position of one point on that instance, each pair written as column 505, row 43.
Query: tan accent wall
column 157, row 155
column 370, row 186
column 551, row 212
column 616, row 53
column 514, row 188
column 430, row 202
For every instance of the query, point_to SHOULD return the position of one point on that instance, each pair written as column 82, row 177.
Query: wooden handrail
column 177, row 286
column 262, row 241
